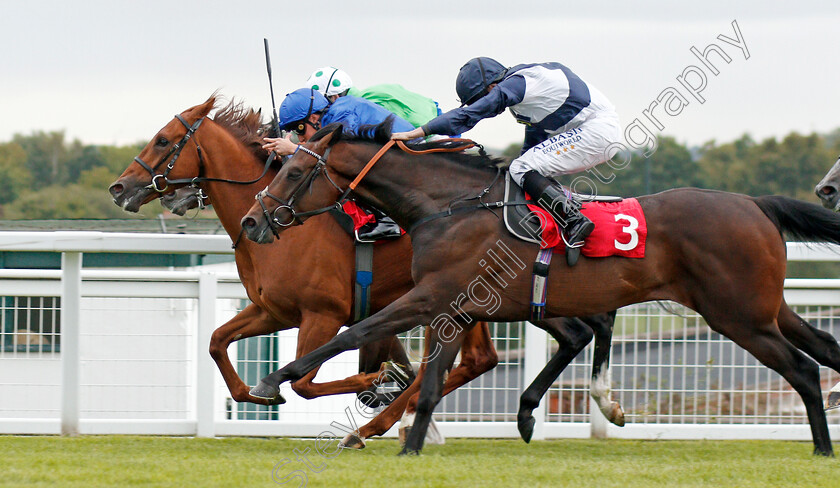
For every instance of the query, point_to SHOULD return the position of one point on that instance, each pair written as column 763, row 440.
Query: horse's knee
column 218, row 344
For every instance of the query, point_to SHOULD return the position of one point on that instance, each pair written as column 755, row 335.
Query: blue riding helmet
column 476, row 76
column 299, row 105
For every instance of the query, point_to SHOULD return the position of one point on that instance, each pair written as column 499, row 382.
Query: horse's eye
column 162, row 142
column 294, row 174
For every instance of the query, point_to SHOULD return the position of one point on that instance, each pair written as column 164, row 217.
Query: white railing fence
column 125, row 351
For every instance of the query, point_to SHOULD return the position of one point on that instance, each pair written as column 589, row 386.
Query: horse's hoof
column 409, row 452
column 352, row 441
column 833, row 400
column 526, row 428
column 822, row 452
column 616, row 415
column 397, row 372
column 268, row 392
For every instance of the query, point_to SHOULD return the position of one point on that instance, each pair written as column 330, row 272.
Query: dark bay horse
column 305, row 278
column 720, row 254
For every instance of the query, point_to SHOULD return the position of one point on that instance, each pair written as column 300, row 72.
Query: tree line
column 45, row 176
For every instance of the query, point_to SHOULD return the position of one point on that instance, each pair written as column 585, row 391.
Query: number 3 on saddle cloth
column 620, row 230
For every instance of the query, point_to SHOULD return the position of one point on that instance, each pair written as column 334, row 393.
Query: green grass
column 92, row 461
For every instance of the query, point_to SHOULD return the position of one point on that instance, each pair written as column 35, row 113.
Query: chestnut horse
column 718, row 253
column 305, row 278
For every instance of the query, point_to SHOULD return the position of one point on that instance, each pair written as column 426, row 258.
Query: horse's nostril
column 249, row 222
column 828, row 190
column 116, row 189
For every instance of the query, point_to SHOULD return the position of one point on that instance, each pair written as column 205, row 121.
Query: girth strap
column 364, row 278
column 538, row 283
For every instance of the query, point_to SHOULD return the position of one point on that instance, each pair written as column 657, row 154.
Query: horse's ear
column 333, row 136
column 207, row 106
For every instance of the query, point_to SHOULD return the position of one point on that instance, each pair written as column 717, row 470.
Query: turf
column 91, row 461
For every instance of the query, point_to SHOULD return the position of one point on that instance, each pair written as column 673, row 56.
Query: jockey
column 305, row 110
column 412, row 107
column 570, row 127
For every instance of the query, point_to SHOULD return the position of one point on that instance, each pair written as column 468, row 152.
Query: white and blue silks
column 569, row 123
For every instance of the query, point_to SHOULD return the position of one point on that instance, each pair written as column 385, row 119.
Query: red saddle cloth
column 620, row 229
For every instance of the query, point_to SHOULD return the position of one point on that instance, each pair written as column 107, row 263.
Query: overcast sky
column 114, row 72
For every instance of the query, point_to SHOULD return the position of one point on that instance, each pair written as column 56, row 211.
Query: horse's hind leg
column 601, row 384
column 766, row 343
column 818, row 344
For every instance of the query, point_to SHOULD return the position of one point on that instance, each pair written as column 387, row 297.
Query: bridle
column 175, row 152
column 320, row 167
column 306, row 183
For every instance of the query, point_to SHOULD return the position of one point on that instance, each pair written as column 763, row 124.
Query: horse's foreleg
column 251, row 321
column 478, row 355
column 410, row 310
column 386, row 419
column 431, row 388
column 572, row 335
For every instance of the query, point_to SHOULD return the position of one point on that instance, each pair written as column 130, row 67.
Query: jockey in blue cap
column 305, row 110
column 570, row 127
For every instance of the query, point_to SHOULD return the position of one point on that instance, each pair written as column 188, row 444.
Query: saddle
column 521, row 222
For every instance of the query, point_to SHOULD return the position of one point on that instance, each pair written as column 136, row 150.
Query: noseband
column 173, row 153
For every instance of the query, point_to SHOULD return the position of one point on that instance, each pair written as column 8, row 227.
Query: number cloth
column 620, row 229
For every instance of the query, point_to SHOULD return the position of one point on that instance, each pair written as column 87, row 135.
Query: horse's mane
column 246, row 125
column 381, row 134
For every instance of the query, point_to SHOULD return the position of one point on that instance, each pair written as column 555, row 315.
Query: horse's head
column 829, row 188
column 149, row 175
column 305, row 186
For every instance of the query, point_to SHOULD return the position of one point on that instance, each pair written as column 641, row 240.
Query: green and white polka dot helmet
column 329, row 81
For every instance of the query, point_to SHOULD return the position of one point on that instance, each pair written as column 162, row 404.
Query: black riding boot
column 566, row 211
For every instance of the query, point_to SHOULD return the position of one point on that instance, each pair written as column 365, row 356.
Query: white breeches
column 572, row 151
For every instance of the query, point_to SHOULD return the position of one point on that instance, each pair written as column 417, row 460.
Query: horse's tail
column 801, row 221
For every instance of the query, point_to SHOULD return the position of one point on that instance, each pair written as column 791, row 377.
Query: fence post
column 204, row 384
column 71, row 304
column 536, row 351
